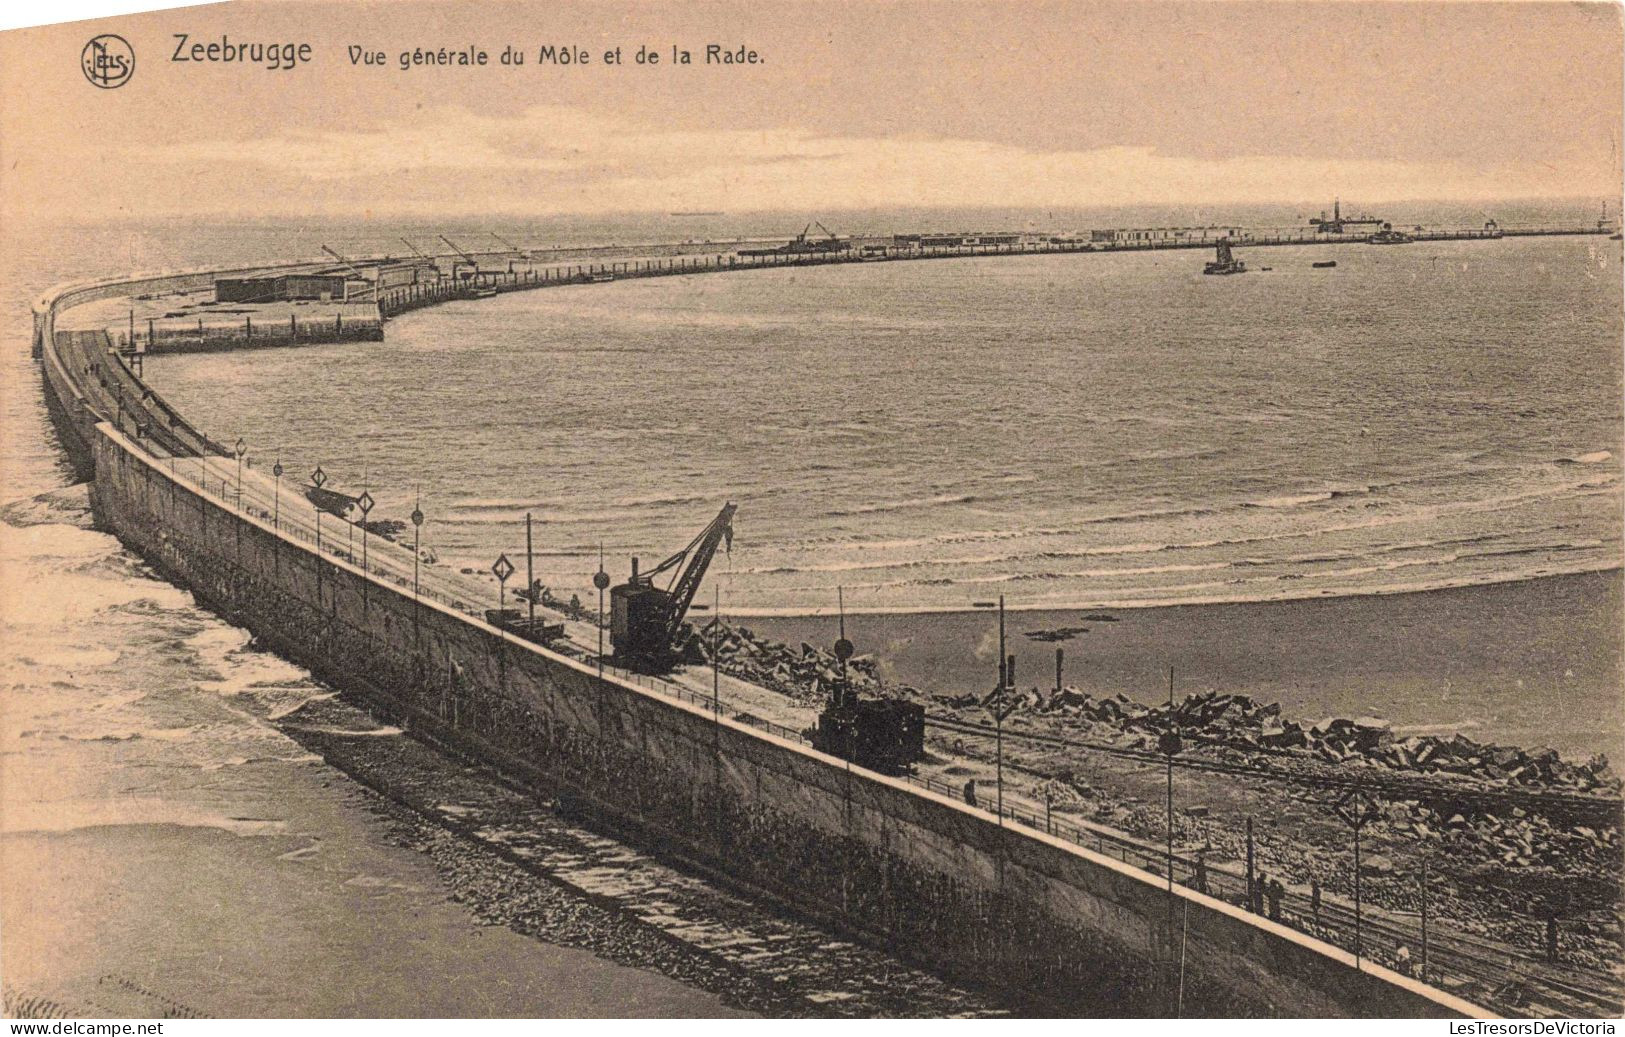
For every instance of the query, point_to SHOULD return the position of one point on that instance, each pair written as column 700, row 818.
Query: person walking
column 1259, row 883
column 1314, row 899
column 1275, row 891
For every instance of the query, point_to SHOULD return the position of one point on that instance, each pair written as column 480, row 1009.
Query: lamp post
column 530, row 576
column 1000, row 709
column 1169, row 743
column 242, row 449
column 843, row 652
column 318, row 478
column 365, row 503
column 600, row 579
column 276, row 495
column 417, row 527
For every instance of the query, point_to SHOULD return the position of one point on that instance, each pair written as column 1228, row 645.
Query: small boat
column 483, row 293
column 1224, row 262
column 1325, row 264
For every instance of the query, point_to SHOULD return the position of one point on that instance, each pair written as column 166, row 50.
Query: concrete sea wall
column 1061, row 930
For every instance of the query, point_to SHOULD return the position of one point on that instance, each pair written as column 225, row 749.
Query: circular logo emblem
column 108, row 61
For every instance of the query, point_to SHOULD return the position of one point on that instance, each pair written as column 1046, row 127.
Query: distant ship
column 1324, row 264
column 1389, row 236
column 1225, row 263
column 709, row 213
column 803, row 245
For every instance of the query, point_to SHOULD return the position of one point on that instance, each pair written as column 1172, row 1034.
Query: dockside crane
column 504, row 242
column 471, row 261
column 422, row 255
column 646, row 621
column 355, row 273
column 343, row 262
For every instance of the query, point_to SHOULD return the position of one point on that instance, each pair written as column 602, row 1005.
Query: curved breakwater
column 1069, row 431
column 881, row 854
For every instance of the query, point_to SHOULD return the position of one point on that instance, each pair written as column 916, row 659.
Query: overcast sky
column 855, row 105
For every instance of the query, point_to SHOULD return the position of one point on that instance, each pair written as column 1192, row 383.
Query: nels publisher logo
column 108, row 61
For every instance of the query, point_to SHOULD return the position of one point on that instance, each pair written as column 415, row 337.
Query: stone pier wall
column 1061, row 930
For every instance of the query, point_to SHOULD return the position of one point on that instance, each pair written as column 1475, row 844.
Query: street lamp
column 276, row 495
column 600, row 579
column 1169, row 743
column 318, row 479
column 364, row 502
column 1000, row 709
column 242, row 448
column 530, row 576
column 417, row 527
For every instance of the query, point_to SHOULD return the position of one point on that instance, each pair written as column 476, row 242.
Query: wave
column 841, row 567
column 903, row 505
column 1148, row 513
column 1513, row 552
column 341, row 732
column 1595, row 457
column 1172, row 597
column 476, row 505
column 59, row 816
column 160, row 734
column 1292, row 501
column 1311, row 497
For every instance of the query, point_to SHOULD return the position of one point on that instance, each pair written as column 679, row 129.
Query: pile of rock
column 808, row 673
column 1238, row 722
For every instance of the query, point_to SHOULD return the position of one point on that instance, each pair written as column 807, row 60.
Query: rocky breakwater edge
column 1501, row 860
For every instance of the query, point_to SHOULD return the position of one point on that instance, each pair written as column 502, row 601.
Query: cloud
column 565, row 158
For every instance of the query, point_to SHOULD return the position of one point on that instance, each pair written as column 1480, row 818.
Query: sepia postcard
column 819, row 509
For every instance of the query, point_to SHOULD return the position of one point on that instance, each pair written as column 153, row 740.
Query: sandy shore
column 1532, row 663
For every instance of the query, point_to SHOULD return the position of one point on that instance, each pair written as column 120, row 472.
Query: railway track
column 1496, row 976
column 1597, row 809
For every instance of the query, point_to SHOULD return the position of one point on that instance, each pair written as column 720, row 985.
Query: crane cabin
column 646, row 621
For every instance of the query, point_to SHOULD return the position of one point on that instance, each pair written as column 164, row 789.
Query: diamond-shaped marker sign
column 242, row 448
column 502, row 568
column 364, row 502
column 276, row 469
column 1000, row 705
column 417, row 517
column 318, row 477
column 1355, row 808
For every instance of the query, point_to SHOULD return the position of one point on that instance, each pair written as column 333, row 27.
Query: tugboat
column 1224, row 262
column 1389, row 236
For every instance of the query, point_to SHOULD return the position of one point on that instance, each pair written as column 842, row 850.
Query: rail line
column 1511, row 981
column 1595, row 808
